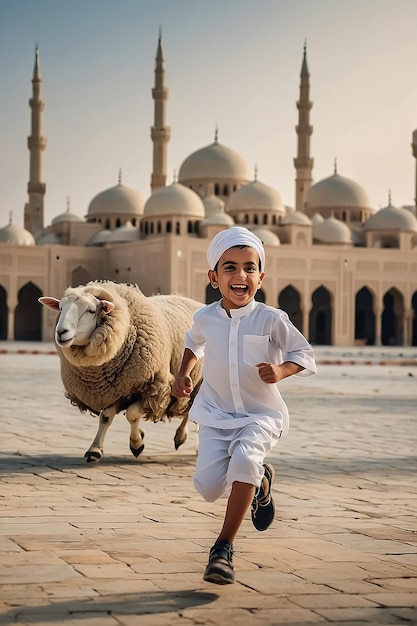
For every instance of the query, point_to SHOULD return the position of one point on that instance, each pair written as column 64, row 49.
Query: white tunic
column 232, row 393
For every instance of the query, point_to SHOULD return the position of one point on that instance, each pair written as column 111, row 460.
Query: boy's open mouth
column 239, row 289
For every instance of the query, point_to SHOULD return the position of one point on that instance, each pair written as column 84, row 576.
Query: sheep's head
column 80, row 313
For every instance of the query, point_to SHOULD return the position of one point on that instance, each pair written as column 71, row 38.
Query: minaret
column 36, row 143
column 303, row 163
column 414, row 146
column 160, row 132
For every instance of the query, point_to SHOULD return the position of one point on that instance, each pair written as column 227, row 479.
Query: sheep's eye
column 92, row 311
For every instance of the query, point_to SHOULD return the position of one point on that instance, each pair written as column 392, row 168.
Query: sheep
column 120, row 351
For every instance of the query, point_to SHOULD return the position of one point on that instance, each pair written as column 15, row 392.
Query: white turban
column 235, row 236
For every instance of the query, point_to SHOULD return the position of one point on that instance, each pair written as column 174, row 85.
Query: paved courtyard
column 124, row 542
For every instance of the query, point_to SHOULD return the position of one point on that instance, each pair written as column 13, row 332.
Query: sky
column 230, row 64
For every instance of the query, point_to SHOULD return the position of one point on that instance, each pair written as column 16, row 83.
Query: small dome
column 215, row 161
column 256, row 196
column 317, row 218
column 218, row 219
column 67, row 217
column 49, row 239
column 337, row 191
column 332, row 231
column 16, row 235
column 392, row 218
column 99, row 238
column 213, row 204
column 115, row 201
column 267, row 237
column 124, row 233
column 289, row 209
column 296, row 218
column 175, row 200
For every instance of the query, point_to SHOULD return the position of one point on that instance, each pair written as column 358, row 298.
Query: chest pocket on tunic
column 255, row 349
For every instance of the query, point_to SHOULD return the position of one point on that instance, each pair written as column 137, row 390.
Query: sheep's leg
column 181, row 433
column 133, row 414
column 95, row 451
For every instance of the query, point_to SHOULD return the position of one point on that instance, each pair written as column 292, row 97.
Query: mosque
column 344, row 271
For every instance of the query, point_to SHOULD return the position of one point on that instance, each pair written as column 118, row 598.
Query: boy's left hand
column 269, row 373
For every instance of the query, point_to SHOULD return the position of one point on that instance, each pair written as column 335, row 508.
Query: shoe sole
column 218, row 579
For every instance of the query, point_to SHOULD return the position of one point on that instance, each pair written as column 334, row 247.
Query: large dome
column 116, row 201
column 17, row 235
column 175, row 200
column 332, row 231
column 337, row 191
column 392, row 218
column 217, row 162
column 256, row 196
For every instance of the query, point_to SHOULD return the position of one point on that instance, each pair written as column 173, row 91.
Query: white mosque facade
column 344, row 272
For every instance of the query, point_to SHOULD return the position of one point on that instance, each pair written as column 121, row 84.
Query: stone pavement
column 124, row 542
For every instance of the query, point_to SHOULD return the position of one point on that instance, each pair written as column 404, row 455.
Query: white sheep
column 120, row 350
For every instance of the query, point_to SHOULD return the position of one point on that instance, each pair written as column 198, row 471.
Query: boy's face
column 237, row 277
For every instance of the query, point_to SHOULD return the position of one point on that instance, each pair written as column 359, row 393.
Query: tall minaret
column 36, row 143
column 303, row 163
column 160, row 132
column 414, row 146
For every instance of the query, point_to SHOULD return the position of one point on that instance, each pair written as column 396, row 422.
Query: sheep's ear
column 50, row 303
column 106, row 306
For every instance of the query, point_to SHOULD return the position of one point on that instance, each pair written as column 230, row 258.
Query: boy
column 248, row 347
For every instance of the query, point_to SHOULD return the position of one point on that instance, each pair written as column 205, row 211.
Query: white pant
column 225, row 456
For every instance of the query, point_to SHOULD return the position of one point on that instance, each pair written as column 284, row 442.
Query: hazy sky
column 231, row 63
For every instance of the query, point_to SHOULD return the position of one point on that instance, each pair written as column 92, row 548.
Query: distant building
column 344, row 272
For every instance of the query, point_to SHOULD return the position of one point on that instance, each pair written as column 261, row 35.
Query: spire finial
column 256, row 172
column 119, row 181
column 160, row 32
column 216, row 133
column 10, row 218
column 389, row 197
column 305, row 46
column 335, row 165
column 68, row 204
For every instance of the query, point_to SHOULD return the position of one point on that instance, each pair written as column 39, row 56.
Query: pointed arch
column 414, row 323
column 320, row 318
column 364, row 317
column 3, row 314
column 392, row 321
column 289, row 301
column 28, row 314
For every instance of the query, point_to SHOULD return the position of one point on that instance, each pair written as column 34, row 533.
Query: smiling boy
column 248, row 347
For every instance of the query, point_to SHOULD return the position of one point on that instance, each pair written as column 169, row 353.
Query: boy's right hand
column 182, row 387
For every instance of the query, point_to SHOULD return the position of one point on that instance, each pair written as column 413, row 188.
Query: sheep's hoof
column 93, row 456
column 137, row 451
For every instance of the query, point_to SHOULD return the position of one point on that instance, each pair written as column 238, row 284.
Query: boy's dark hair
column 239, row 247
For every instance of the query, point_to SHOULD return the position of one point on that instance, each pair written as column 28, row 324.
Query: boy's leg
column 239, row 501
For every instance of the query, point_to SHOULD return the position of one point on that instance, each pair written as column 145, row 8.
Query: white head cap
column 235, row 236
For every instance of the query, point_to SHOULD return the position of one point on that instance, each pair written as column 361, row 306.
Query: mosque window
column 265, row 219
column 159, row 227
column 146, row 228
column 225, row 190
column 107, row 226
column 255, row 219
column 189, row 227
column 168, row 227
column 151, row 228
column 344, row 216
column 246, row 219
column 177, row 229
column 216, row 189
column 274, row 219
column 118, row 222
column 134, row 221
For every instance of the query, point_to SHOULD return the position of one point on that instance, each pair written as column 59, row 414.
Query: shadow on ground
column 141, row 603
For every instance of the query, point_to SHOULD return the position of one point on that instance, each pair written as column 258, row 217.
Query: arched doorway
column 392, row 318
column 320, row 318
column 364, row 317
column 212, row 295
column 289, row 301
column 414, row 328
column 28, row 314
column 3, row 314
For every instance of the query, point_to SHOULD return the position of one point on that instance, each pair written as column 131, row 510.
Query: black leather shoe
column 219, row 569
column 263, row 506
